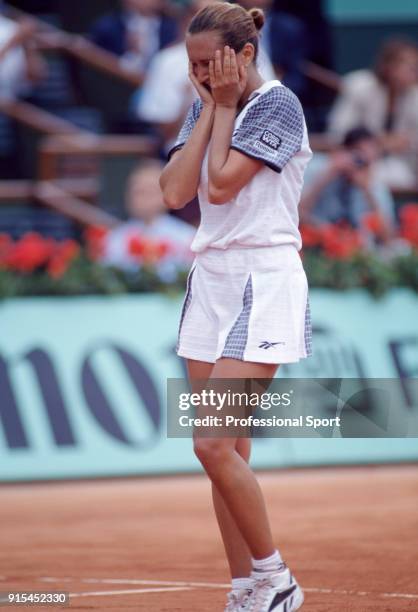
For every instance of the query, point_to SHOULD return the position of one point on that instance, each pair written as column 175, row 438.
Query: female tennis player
column 243, row 149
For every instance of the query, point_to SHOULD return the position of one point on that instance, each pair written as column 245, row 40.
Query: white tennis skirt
column 249, row 304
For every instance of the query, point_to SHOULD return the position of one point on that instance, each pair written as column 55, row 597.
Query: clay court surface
column 349, row 534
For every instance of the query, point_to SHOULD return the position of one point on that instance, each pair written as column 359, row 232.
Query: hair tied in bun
column 257, row 16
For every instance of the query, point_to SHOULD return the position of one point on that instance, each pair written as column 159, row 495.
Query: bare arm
column 179, row 180
column 229, row 170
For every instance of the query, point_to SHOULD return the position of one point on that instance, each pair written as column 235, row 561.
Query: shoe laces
column 238, row 601
column 245, row 599
column 233, row 602
column 260, row 594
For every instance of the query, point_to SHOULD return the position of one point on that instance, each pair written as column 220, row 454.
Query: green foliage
column 363, row 270
column 86, row 277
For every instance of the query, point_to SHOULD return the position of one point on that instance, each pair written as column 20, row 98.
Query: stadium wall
column 83, row 383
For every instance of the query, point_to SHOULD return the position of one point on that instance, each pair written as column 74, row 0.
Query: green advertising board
column 83, row 383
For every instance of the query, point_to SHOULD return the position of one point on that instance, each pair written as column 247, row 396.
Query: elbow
column 174, row 196
column 173, row 202
column 217, row 195
column 170, row 198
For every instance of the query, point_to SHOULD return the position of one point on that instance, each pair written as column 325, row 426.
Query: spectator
column 313, row 15
column 135, row 33
column 283, row 40
column 148, row 219
column 386, row 101
column 167, row 92
column 343, row 186
column 20, row 63
column 316, row 96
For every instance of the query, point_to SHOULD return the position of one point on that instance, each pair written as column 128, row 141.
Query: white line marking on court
column 48, row 579
column 208, row 585
column 401, row 595
column 362, row 593
column 129, row 592
column 212, row 585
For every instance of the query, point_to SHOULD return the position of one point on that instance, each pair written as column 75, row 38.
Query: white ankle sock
column 269, row 564
column 241, row 583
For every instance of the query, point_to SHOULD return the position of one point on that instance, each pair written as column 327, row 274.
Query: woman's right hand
column 204, row 93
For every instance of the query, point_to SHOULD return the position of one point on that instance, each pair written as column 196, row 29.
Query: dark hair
column 355, row 135
column 235, row 25
column 390, row 52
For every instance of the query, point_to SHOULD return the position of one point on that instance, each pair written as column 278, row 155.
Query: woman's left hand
column 227, row 80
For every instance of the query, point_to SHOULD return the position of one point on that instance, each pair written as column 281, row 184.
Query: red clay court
column 349, row 534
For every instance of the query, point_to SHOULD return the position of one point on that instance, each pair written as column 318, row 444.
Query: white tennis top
column 271, row 127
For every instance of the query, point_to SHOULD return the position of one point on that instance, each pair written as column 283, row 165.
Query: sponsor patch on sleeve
column 271, row 140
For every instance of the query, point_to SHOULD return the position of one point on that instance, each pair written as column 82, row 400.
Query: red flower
column 136, row 246
column 6, row 244
column 5, row 241
column 29, row 253
column 337, row 241
column 163, row 249
column 150, row 255
column 61, row 259
column 374, row 223
column 149, row 251
column 95, row 232
column 69, row 249
column 155, row 251
column 409, row 214
column 33, row 252
column 311, row 235
column 409, row 223
column 57, row 267
column 340, row 242
column 95, row 237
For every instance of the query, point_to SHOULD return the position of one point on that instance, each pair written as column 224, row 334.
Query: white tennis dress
column 247, row 293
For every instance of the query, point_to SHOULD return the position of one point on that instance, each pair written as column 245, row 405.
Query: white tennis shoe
column 275, row 592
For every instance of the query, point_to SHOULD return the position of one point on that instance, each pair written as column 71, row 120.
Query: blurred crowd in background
column 91, row 97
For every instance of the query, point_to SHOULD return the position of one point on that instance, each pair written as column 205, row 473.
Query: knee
column 211, row 452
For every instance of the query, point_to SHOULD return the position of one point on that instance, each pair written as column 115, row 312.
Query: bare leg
column 237, row 551
column 230, row 473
